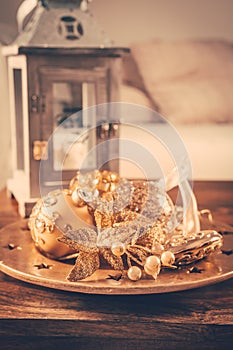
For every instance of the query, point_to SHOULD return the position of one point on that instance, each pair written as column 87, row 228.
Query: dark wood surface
column 33, row 317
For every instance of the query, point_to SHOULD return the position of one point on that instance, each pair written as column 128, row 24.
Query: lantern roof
column 64, row 25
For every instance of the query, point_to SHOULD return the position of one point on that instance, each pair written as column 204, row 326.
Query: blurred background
column 128, row 22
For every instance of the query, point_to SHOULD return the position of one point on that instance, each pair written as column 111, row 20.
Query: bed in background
column 190, row 83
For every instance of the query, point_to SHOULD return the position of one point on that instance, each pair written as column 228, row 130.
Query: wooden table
column 34, row 317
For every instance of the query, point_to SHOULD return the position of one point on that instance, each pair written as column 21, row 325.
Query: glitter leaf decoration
column 86, row 264
column 124, row 234
column 113, row 260
column 83, row 237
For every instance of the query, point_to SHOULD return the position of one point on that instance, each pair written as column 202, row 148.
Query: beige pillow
column 134, row 95
column 130, row 72
column 190, row 81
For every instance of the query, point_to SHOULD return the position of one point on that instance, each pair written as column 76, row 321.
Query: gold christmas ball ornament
column 49, row 218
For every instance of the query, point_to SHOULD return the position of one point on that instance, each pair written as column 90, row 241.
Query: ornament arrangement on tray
column 133, row 226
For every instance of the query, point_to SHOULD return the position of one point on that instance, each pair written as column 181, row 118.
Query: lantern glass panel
column 17, row 76
column 71, row 120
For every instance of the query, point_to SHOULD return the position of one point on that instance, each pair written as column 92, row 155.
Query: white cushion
column 190, row 81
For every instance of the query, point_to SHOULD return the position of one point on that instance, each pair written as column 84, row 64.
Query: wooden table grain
column 33, row 317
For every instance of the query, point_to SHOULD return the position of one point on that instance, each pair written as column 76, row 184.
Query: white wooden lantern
column 61, row 63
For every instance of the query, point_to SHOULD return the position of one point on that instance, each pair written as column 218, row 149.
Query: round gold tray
column 21, row 260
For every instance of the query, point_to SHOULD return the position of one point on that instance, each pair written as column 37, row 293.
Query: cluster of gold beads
column 152, row 264
column 86, row 187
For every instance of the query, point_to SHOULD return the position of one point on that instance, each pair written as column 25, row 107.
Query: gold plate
column 21, row 260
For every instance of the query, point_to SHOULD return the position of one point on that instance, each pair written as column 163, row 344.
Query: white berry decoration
column 134, row 273
column 167, row 258
column 118, row 248
column 152, row 266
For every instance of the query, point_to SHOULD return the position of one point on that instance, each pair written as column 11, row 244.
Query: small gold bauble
column 118, row 248
column 152, row 265
column 134, row 273
column 167, row 258
column 76, row 199
column 103, row 186
column 157, row 248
